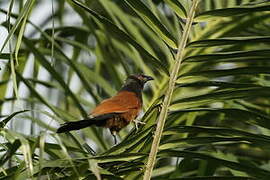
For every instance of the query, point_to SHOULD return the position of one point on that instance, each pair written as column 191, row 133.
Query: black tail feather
column 69, row 126
column 76, row 125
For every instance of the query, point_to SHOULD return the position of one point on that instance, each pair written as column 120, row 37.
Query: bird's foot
column 159, row 107
column 138, row 122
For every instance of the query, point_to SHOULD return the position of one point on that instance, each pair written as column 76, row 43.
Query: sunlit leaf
column 228, row 12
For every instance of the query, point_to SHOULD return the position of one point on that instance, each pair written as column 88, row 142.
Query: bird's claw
column 138, row 122
column 159, row 107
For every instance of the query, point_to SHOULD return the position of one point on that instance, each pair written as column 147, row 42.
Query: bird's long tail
column 76, row 125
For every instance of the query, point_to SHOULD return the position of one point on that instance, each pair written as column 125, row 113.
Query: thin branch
column 168, row 95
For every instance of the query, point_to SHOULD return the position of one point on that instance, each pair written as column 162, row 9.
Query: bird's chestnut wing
column 122, row 102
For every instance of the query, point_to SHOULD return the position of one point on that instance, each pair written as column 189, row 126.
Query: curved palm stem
column 168, row 95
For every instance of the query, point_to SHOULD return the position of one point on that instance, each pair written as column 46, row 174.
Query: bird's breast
column 121, row 120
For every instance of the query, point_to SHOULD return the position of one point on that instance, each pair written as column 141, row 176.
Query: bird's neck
column 133, row 87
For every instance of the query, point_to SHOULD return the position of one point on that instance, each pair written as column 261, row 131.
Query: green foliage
column 218, row 121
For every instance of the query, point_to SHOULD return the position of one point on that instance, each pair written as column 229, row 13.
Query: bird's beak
column 148, row 78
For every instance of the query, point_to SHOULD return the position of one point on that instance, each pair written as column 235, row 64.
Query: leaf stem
column 167, row 99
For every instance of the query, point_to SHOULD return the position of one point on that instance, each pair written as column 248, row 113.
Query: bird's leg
column 137, row 122
column 114, row 137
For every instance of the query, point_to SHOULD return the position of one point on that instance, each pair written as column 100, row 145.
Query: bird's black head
column 140, row 78
column 136, row 82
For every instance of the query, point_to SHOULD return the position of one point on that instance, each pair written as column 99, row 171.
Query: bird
column 116, row 112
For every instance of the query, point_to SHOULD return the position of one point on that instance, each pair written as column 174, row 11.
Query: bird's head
column 136, row 81
column 139, row 78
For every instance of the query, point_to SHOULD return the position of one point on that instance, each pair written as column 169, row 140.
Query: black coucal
column 116, row 112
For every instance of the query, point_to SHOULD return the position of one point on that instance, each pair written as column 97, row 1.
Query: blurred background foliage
column 60, row 58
